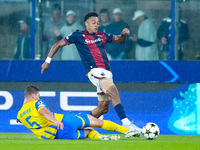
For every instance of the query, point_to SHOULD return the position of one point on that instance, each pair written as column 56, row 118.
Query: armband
column 48, row 60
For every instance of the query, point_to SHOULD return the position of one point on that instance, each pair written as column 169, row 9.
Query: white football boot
column 132, row 133
column 109, row 137
column 133, row 128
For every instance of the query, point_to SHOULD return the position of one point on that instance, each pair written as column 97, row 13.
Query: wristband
column 48, row 60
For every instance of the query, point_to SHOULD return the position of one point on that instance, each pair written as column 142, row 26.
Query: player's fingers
column 42, row 70
column 62, row 126
column 127, row 31
column 44, row 67
column 58, row 126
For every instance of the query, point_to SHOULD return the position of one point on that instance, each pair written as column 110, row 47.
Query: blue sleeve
column 40, row 103
column 18, row 121
column 71, row 38
column 109, row 37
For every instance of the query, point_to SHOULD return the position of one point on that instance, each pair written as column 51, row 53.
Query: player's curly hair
column 90, row 14
column 30, row 89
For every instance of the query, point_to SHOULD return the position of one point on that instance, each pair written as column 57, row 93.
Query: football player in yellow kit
column 36, row 116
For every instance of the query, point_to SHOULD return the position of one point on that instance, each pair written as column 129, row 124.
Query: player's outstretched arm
column 122, row 37
column 52, row 52
column 49, row 116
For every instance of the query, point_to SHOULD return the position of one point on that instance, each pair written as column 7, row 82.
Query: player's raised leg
column 102, row 108
column 109, row 88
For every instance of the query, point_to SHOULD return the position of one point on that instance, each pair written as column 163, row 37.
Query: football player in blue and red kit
column 91, row 47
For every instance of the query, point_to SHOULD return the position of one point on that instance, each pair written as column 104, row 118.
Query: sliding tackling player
column 36, row 116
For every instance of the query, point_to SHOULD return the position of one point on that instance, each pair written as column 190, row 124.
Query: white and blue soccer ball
column 150, row 131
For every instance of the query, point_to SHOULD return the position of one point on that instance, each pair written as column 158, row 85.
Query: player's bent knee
column 104, row 97
column 105, row 83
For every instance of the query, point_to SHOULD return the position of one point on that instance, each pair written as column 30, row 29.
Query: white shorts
column 98, row 73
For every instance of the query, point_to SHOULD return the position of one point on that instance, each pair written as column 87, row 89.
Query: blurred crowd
column 145, row 43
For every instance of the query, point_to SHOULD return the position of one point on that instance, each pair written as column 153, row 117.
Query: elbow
column 58, row 44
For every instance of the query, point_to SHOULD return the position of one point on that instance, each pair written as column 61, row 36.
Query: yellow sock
column 93, row 135
column 111, row 126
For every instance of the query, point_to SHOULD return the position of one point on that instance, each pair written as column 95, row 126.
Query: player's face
column 92, row 24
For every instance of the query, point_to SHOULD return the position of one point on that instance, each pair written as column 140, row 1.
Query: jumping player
column 36, row 116
column 91, row 47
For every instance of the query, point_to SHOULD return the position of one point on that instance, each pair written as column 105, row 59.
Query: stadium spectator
column 118, row 51
column 104, row 20
column 50, row 28
column 146, row 47
column 23, row 43
column 36, row 116
column 91, row 46
column 70, row 52
column 163, row 34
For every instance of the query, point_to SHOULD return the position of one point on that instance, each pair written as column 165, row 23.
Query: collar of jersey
column 89, row 33
column 30, row 101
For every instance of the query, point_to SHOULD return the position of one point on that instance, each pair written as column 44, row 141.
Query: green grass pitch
column 26, row 141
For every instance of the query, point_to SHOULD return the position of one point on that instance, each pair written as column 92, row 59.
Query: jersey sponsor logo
column 40, row 104
column 99, row 35
column 87, row 41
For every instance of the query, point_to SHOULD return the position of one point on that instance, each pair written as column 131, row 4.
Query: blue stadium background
column 165, row 93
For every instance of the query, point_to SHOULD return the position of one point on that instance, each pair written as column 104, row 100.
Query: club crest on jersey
column 87, row 41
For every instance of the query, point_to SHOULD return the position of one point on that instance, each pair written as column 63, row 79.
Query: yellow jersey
column 30, row 117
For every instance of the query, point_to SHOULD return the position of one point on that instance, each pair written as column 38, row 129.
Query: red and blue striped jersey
column 91, row 48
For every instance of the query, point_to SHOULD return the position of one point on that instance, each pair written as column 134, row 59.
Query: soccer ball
column 150, row 131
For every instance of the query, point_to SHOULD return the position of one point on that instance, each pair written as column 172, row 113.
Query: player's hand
column 125, row 31
column 59, row 125
column 45, row 66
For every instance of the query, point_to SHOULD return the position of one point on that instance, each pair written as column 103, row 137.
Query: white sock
column 126, row 121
